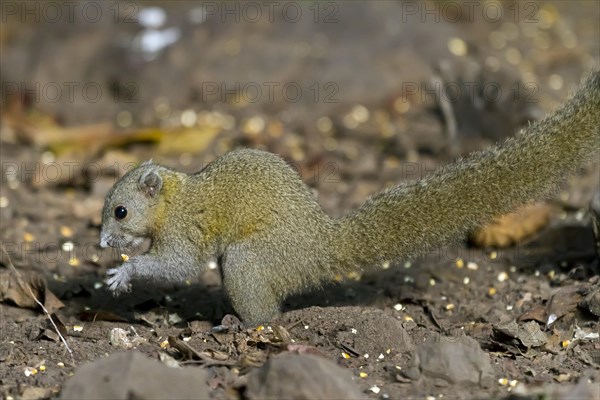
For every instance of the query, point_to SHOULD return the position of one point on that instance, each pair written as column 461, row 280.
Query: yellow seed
column 260, row 328
column 345, row 355
column 408, row 318
column 66, row 231
column 77, row 328
column 363, row 374
column 513, row 383
column 460, row 263
column 565, row 343
column 164, row 344
column 28, row 237
column 124, row 257
column 74, row 262
column 449, row 307
column 492, row 291
column 503, row 381
column 42, row 368
column 457, row 46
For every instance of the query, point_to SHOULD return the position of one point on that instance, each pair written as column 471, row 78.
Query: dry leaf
column 513, row 228
column 14, row 290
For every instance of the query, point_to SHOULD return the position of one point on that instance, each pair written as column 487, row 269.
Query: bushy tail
column 411, row 219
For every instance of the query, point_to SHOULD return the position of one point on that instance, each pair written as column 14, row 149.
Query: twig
column 26, row 285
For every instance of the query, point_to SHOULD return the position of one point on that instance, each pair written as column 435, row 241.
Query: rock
column 457, row 360
column 130, row 375
column 301, row 376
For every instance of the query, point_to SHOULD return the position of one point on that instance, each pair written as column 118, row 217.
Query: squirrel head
column 127, row 216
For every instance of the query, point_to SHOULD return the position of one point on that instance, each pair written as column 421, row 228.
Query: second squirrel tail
column 413, row 218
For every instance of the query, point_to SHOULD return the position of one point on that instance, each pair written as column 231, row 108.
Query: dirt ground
column 472, row 320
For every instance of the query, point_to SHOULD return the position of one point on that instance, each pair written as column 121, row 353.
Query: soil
column 464, row 321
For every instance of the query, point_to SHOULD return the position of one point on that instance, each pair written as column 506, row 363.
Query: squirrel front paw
column 118, row 279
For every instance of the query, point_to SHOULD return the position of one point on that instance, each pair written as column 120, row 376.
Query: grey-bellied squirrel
column 252, row 211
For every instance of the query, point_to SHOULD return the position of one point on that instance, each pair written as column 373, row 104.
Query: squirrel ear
column 150, row 183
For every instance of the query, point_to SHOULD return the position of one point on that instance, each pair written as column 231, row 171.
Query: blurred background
column 356, row 95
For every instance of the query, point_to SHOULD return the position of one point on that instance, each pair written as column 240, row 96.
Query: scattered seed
column 502, row 276
column 509, row 307
column 366, row 356
column 66, row 231
column 432, row 282
column 60, row 364
column 30, row 371
column 363, row 374
column 345, row 355
column 3, row 202
column 124, row 257
column 375, row 389
column 513, row 383
column 492, row 291
column 74, row 262
column 28, row 237
column 503, row 381
column 472, row 266
column 449, row 307
column 466, row 280
column 408, row 318
column 407, row 264
column 398, row 307
column 493, row 255
column 460, row 263
column 565, row 343
column 381, row 356
column 385, row 265
column 354, row 331
column 457, row 46
column 42, row 368
column 77, row 328
column 68, row 246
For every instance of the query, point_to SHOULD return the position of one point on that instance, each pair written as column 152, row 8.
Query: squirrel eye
column 120, row 212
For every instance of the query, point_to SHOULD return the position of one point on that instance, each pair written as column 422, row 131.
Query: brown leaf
column 538, row 313
column 513, row 228
column 565, row 300
column 14, row 290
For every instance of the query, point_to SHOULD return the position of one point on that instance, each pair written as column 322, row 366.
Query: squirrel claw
column 118, row 280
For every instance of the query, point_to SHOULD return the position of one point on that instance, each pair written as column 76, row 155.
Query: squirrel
column 251, row 211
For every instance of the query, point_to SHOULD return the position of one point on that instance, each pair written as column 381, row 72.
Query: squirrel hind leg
column 246, row 282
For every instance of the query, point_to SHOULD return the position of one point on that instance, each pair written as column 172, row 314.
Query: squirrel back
column 410, row 219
